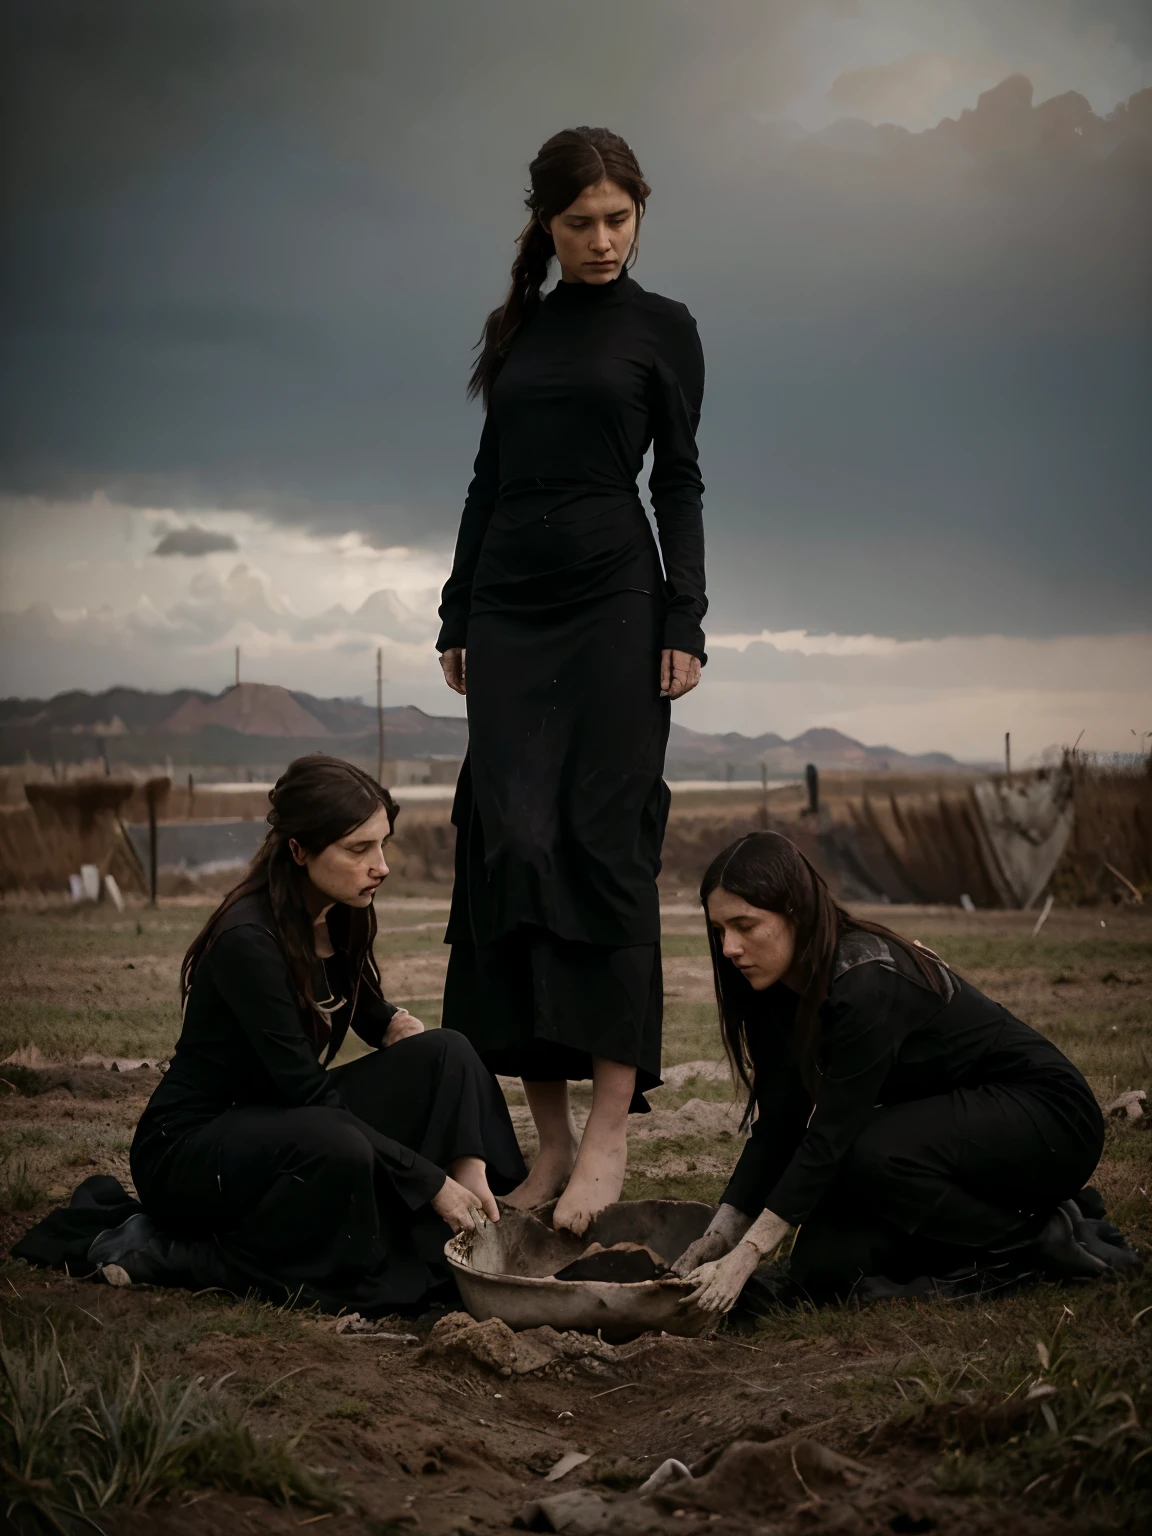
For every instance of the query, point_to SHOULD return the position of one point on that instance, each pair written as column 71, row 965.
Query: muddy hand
column 718, row 1285
column 459, row 1207
column 713, row 1245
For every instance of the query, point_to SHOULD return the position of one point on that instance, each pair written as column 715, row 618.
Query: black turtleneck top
column 598, row 374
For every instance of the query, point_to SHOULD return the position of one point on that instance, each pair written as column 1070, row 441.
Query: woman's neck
column 319, row 906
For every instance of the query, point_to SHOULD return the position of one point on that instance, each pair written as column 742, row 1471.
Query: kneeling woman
column 906, row 1123
column 257, row 1168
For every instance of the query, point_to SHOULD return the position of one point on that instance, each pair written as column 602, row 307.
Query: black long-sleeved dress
column 558, row 595
column 294, row 1181
column 941, row 1124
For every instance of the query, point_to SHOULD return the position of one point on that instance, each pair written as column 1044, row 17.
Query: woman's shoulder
column 662, row 309
column 869, row 962
column 248, row 926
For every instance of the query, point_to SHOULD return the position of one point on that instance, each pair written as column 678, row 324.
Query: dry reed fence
column 63, row 826
column 1109, row 855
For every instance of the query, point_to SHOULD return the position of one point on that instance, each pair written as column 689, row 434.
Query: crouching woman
column 908, row 1125
column 258, row 1169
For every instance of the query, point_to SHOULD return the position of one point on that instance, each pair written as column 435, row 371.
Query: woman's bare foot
column 549, row 1174
column 596, row 1182
column 598, row 1176
column 473, row 1174
column 552, row 1116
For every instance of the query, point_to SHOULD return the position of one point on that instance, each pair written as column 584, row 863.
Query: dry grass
column 82, row 980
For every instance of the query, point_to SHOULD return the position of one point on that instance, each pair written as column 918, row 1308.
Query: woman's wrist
column 729, row 1223
column 766, row 1233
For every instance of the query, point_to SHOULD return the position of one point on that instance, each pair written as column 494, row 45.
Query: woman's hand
column 718, row 1285
column 400, row 1027
column 453, row 665
column 713, row 1245
column 723, row 1232
column 459, row 1207
column 679, row 673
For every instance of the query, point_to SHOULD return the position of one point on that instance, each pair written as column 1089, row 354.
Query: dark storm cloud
column 250, row 246
column 193, row 541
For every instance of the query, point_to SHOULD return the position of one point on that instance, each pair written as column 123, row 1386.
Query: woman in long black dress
column 257, row 1168
column 907, row 1124
column 570, row 641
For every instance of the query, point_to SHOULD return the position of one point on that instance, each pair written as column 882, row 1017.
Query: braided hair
column 569, row 163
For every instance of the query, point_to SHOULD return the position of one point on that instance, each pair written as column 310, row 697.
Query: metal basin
column 506, row 1269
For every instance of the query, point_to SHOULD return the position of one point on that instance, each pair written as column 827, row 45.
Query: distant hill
column 260, row 725
column 693, row 754
column 253, row 709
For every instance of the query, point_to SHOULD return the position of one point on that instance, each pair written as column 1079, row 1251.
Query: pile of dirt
column 493, row 1345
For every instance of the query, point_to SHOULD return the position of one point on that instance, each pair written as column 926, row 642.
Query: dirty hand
column 722, row 1234
column 679, row 674
column 713, row 1245
column 455, row 672
column 718, row 1285
column 400, row 1026
column 459, row 1207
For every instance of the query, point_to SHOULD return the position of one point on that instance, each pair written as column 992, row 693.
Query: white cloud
column 309, row 611
column 801, row 641
column 956, row 695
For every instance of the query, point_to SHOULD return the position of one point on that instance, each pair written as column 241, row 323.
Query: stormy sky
column 248, row 247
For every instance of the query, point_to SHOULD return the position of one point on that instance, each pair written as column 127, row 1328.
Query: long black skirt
column 560, row 814
column 291, row 1203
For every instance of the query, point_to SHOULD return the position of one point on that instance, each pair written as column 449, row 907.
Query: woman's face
column 761, row 945
column 594, row 235
column 351, row 869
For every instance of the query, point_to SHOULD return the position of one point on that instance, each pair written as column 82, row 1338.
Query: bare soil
column 441, row 1444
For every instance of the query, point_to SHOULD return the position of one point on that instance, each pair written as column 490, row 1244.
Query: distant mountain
column 253, row 709
column 260, row 724
column 693, row 755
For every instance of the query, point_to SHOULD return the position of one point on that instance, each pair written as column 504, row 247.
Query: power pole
column 380, row 714
column 1008, row 755
column 237, row 666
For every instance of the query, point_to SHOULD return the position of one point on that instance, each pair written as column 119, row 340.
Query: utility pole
column 380, row 714
column 1008, row 755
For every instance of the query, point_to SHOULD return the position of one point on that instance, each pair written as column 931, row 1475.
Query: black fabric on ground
column 63, row 1238
column 558, row 595
column 948, row 1118
column 279, row 1177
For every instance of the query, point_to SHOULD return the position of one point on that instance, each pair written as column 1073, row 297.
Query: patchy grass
column 932, row 1376
column 75, row 1440
column 19, row 1189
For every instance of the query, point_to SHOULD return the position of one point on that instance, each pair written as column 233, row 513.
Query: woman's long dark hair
column 570, row 162
column 768, row 871
column 316, row 801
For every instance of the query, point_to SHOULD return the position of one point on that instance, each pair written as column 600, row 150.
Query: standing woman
column 570, row 640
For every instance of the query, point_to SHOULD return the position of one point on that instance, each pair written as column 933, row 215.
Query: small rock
column 1129, row 1106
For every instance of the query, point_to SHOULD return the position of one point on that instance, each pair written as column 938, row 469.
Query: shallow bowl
column 506, row 1270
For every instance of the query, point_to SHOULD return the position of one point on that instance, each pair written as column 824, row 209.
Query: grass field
column 933, row 1397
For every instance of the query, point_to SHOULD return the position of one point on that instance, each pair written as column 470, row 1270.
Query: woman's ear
column 297, row 852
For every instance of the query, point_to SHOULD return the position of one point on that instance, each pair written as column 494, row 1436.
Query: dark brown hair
column 569, row 163
column 768, row 871
column 317, row 800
